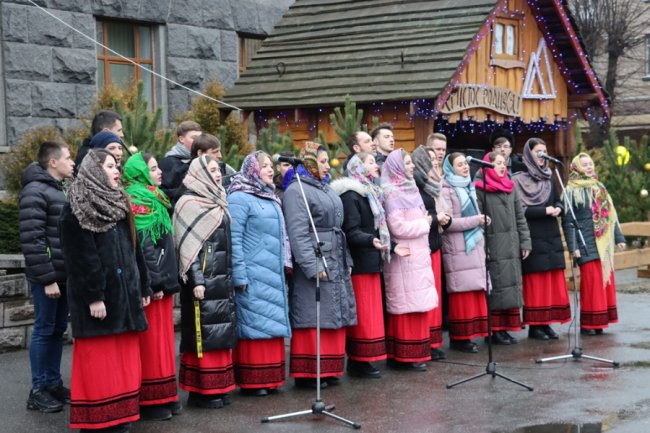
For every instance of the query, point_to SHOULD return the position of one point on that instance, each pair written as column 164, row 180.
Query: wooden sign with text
column 498, row 99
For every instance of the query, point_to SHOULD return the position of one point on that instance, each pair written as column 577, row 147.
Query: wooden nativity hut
column 462, row 68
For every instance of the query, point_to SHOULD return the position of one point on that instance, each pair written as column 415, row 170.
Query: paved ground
column 566, row 394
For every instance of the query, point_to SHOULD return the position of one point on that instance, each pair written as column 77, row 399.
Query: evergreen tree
column 625, row 169
column 140, row 124
column 271, row 141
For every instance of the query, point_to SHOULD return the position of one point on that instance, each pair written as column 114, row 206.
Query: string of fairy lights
column 459, row 124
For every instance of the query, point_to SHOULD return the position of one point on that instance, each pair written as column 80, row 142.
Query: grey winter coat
column 338, row 306
column 507, row 236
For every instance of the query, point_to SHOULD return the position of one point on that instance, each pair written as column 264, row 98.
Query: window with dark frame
column 248, row 46
column 133, row 41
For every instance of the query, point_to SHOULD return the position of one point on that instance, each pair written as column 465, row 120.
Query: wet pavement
column 569, row 396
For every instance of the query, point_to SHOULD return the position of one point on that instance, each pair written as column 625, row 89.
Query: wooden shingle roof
column 379, row 50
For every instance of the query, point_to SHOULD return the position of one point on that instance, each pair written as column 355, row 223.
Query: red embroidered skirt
column 105, row 385
column 260, row 363
column 467, row 315
column 546, row 299
column 303, row 352
column 506, row 320
column 597, row 301
column 212, row 374
column 407, row 337
column 158, row 354
column 366, row 341
column 435, row 315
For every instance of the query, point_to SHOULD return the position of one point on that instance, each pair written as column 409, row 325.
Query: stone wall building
column 49, row 74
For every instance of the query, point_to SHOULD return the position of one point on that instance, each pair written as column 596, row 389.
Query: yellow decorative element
column 335, row 163
column 623, row 155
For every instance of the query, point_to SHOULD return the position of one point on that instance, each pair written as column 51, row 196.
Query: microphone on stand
column 471, row 160
column 288, row 159
column 543, row 155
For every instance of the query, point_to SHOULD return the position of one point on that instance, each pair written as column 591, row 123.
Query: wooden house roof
column 379, row 50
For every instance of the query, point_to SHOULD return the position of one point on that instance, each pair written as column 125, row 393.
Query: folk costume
column 260, row 254
column 410, row 285
column 202, row 238
column 150, row 207
column 364, row 220
column 546, row 299
column 105, row 263
column 598, row 220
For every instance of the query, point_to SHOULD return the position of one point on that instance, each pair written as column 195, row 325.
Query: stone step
column 13, row 286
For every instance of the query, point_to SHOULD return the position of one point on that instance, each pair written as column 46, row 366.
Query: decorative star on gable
column 540, row 73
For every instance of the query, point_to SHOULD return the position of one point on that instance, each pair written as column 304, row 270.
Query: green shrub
column 10, row 240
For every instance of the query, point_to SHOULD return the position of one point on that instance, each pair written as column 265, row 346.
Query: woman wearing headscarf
column 260, row 254
column 598, row 221
column 364, row 224
column 338, row 308
column 429, row 182
column 410, row 286
column 463, row 255
column 202, row 238
column 153, row 225
column 509, row 243
column 546, row 299
column 108, row 287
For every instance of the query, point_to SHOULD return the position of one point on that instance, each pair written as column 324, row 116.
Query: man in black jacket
column 41, row 202
column 104, row 120
column 176, row 162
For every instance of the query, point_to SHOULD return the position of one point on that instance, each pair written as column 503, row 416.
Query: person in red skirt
column 368, row 238
column 598, row 221
column 546, row 299
column 429, row 181
column 464, row 257
column 260, row 254
column 508, row 242
column 410, row 286
column 159, row 396
column 338, row 308
column 108, row 288
column 202, row 237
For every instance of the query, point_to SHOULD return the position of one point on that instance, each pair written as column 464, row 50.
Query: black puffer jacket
column 103, row 267
column 174, row 168
column 161, row 263
column 358, row 226
column 212, row 269
column 41, row 202
column 548, row 252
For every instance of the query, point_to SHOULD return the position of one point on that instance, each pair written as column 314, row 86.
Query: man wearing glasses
column 514, row 162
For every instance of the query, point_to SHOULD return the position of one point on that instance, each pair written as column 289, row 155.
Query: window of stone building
column 133, row 41
column 248, row 46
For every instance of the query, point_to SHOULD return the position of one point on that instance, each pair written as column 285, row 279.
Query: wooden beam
column 636, row 229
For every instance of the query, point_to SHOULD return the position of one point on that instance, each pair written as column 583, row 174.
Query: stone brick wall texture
column 50, row 71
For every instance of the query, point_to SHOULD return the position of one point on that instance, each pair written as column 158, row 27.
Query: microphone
column 480, row 162
column 542, row 155
column 288, row 159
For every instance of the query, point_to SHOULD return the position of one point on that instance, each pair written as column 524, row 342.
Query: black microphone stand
column 318, row 407
column 491, row 367
column 576, row 353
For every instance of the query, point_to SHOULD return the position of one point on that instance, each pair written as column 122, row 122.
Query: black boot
column 362, row 369
column 537, row 333
column 551, row 334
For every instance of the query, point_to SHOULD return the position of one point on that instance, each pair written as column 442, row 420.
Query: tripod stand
column 318, row 407
column 491, row 367
column 576, row 352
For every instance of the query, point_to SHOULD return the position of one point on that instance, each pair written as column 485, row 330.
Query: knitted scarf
column 198, row 215
column 248, row 180
column 583, row 190
column 356, row 170
column 148, row 203
column 96, row 204
column 534, row 186
column 468, row 205
column 495, row 183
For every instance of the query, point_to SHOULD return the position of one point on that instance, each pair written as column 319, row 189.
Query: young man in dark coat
column 176, row 162
column 104, row 120
column 41, row 202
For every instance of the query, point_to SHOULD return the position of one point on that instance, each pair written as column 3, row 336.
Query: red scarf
column 495, row 183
